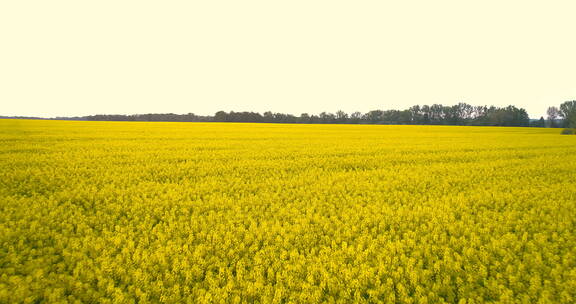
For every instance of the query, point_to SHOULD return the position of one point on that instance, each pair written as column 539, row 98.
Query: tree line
column 563, row 116
column 436, row 114
column 461, row 114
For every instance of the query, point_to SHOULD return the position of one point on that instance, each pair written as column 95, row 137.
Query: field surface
column 105, row 212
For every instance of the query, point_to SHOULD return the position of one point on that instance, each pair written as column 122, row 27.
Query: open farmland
column 240, row 213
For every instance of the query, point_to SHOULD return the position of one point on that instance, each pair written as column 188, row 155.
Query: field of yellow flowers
column 109, row 212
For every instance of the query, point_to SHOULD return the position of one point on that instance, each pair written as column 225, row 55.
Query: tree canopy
column 461, row 114
column 436, row 114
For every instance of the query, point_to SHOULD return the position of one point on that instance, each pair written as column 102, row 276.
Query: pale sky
column 68, row 58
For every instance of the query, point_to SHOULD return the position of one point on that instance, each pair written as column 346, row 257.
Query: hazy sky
column 64, row 58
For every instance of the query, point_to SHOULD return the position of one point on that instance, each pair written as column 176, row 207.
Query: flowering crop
column 268, row 213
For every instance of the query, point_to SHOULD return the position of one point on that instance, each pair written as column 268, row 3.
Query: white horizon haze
column 76, row 58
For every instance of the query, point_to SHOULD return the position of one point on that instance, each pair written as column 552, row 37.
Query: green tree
column 568, row 112
column 553, row 114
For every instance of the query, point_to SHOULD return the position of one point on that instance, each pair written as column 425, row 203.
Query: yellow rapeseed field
column 107, row 212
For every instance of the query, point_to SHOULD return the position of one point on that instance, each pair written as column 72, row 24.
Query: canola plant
column 111, row 212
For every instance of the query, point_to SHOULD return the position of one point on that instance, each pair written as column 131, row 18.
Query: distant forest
column 461, row 114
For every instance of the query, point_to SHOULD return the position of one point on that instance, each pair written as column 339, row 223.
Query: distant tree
column 518, row 117
column 221, row 116
column 284, row 118
column 467, row 111
column 315, row 119
column 437, row 114
column 480, row 115
column 568, row 112
column 268, row 116
column 404, row 117
column 459, row 114
column 327, row 117
column 374, row 116
column 415, row 114
column 341, row 116
column 190, row 117
column 355, row 117
column 304, row 118
column 425, row 112
column 390, row 117
column 553, row 114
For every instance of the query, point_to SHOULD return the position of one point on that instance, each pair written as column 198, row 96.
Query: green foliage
column 568, row 112
column 96, row 212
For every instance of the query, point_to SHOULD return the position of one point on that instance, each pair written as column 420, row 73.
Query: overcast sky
column 67, row 58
